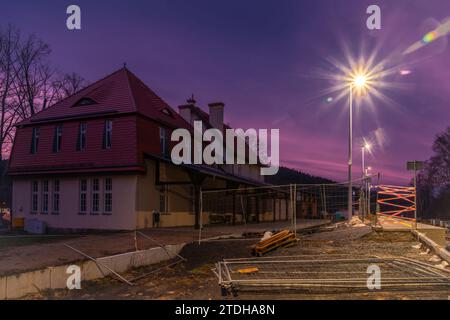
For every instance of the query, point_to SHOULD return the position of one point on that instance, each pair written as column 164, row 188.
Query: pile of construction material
column 283, row 238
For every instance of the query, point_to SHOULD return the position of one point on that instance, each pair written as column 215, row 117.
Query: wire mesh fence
column 326, row 272
column 281, row 207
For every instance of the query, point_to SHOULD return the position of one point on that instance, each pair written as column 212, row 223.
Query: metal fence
column 325, row 273
column 281, row 205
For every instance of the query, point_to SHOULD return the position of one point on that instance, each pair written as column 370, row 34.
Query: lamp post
column 368, row 181
column 359, row 82
column 350, row 156
column 365, row 146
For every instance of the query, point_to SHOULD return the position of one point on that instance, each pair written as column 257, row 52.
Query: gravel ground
column 194, row 279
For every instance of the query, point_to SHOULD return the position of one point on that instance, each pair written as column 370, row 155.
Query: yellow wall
column 179, row 204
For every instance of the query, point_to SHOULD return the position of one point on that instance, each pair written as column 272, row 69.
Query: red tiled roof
column 119, row 92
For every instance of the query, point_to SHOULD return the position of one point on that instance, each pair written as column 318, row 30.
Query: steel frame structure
column 400, row 200
column 326, row 272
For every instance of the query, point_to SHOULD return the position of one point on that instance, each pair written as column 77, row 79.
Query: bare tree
column 32, row 75
column 72, row 83
column 434, row 180
column 8, row 116
column 28, row 83
column 438, row 167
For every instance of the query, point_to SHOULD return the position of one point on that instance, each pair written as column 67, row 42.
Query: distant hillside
column 288, row 176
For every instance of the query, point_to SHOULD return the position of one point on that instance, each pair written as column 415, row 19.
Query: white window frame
column 56, row 196
column 107, row 193
column 34, row 196
column 95, row 195
column 83, row 192
column 45, row 196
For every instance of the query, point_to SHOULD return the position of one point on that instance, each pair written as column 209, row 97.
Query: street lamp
column 359, row 82
column 365, row 208
column 366, row 146
column 365, row 173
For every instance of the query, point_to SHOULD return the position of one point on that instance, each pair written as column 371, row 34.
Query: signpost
column 415, row 166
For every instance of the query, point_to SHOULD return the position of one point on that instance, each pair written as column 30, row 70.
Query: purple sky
column 264, row 60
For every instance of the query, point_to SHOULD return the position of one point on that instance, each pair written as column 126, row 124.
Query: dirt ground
column 195, row 280
column 26, row 253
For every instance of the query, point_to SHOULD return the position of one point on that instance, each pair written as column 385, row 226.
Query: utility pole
column 350, row 156
column 415, row 166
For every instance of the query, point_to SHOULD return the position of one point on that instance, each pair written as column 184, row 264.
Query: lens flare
column 370, row 77
column 442, row 30
column 405, row 72
column 430, row 37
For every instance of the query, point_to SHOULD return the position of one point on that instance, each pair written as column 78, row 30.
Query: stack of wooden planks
column 283, row 238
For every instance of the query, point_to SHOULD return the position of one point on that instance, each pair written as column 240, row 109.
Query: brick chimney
column 185, row 110
column 216, row 114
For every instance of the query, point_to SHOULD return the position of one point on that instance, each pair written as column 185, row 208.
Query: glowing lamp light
column 360, row 81
column 367, row 146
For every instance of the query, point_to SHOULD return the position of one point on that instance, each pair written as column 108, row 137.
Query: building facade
column 100, row 160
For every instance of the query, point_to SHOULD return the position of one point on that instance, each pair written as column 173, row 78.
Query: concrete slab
column 30, row 282
column 156, row 255
column 58, row 277
column 391, row 224
column 90, row 271
column 2, row 288
column 118, row 263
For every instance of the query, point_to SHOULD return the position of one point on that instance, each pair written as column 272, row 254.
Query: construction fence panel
column 275, row 207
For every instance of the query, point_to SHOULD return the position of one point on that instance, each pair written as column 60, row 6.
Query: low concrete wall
column 19, row 285
column 2, row 288
column 439, row 250
column 30, row 282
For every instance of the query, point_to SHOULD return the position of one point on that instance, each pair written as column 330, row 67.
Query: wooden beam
column 197, row 181
column 234, row 208
column 273, row 209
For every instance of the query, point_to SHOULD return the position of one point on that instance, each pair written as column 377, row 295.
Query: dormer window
column 167, row 112
column 84, row 102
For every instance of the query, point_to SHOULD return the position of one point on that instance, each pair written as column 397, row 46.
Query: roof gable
column 149, row 104
column 119, row 92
